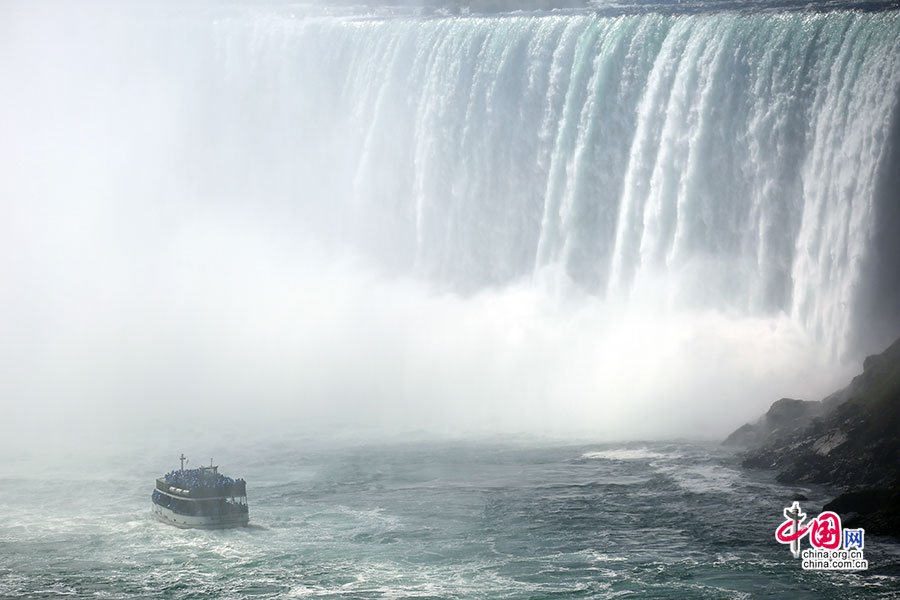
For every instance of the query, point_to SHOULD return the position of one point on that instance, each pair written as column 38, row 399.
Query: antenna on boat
column 183, row 458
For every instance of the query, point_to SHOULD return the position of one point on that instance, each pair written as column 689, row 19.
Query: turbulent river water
column 463, row 519
column 628, row 220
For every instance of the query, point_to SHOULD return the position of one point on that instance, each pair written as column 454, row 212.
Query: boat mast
column 182, row 461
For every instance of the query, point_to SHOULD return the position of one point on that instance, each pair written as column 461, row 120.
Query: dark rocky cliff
column 850, row 439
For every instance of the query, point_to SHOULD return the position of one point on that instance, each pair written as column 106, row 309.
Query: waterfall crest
column 732, row 157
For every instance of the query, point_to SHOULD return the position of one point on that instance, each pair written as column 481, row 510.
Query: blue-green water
column 423, row 520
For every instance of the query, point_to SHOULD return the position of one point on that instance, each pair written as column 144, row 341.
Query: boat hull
column 171, row 517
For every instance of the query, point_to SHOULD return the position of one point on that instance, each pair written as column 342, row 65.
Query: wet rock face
column 874, row 509
column 828, row 442
column 784, row 417
column 873, row 362
column 787, row 412
column 850, row 439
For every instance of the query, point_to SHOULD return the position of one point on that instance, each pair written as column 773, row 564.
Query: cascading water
column 565, row 218
column 723, row 161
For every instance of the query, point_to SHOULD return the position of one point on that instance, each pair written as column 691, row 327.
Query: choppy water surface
column 425, row 520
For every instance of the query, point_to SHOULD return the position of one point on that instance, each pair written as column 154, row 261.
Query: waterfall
column 724, row 160
column 644, row 223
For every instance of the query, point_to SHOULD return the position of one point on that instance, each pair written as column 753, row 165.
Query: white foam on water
column 619, row 454
column 701, row 479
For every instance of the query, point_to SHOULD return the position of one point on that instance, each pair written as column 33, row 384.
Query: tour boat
column 200, row 498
